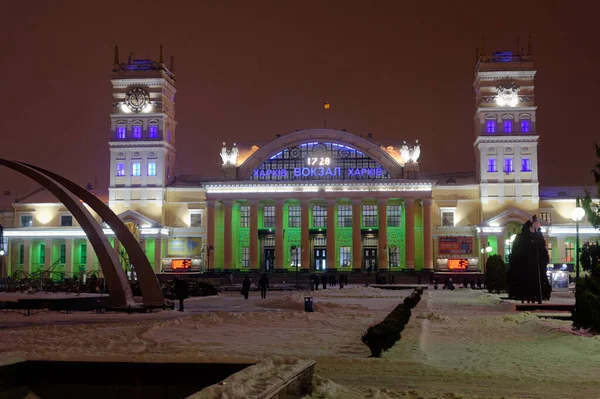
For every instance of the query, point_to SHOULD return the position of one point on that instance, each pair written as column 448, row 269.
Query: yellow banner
column 184, row 246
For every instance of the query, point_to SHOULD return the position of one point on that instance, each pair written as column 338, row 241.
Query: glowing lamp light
column 147, row 108
column 577, row 214
column 1, row 252
column 508, row 241
column 125, row 108
column 488, row 249
column 512, row 238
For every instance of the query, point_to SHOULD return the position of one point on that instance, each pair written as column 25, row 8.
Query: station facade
column 310, row 200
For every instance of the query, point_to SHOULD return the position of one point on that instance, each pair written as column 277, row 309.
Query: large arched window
column 121, row 130
column 319, row 161
column 153, row 129
column 137, row 129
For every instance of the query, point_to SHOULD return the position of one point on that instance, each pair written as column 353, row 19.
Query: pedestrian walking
column 230, row 278
column 324, row 280
column 263, row 284
column 181, row 291
column 246, row 287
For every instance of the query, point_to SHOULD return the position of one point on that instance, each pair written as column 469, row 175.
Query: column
column 383, row 250
column 90, row 255
column 254, row 235
column 357, row 261
column 279, row 252
column 305, row 234
column 27, row 256
column 409, row 232
column 158, row 267
column 48, row 261
column 69, row 257
column 227, row 236
column 331, row 234
column 500, row 238
column 210, row 235
column 427, row 235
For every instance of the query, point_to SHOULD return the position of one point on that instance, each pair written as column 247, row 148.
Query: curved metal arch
column 151, row 290
column 118, row 286
column 371, row 150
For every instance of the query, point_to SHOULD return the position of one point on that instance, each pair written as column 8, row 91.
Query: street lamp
column 294, row 256
column 577, row 214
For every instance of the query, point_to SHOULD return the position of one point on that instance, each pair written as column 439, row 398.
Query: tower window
column 491, row 165
column 508, row 165
column 153, row 132
column 525, row 165
column 490, row 126
column 525, row 126
column 151, row 168
column 121, row 132
column 137, row 132
column 136, row 169
column 508, row 126
column 120, row 169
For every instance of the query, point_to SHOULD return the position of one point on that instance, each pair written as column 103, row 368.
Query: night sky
column 247, row 70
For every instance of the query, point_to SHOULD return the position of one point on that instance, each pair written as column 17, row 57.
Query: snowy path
column 461, row 344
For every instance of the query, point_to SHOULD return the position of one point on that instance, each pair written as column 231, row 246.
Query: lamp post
column 294, row 256
column 485, row 253
column 577, row 214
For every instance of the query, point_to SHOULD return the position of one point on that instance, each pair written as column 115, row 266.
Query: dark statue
column 528, row 261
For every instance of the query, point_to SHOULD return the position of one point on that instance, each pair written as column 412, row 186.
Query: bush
column 586, row 314
column 384, row 335
column 495, row 274
column 195, row 288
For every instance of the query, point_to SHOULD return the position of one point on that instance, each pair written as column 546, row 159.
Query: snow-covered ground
column 460, row 344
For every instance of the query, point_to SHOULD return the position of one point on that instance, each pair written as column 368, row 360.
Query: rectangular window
column 195, row 219
column 294, row 216
column 448, row 217
column 21, row 254
column 344, row 214
column 508, row 126
column 136, row 169
column 491, row 165
column 246, row 257
column 490, row 126
column 137, row 132
column 66, row 220
column 525, row 165
column 151, row 168
column 319, row 216
column 121, row 132
column 344, row 256
column 525, row 125
column 295, row 257
column 83, row 253
column 63, row 253
column 394, row 256
column 120, row 169
column 549, row 248
column 153, row 132
column 269, row 216
column 546, row 217
column 26, row 221
column 569, row 252
column 42, row 253
column 394, row 215
column 508, row 165
column 244, row 216
column 369, row 215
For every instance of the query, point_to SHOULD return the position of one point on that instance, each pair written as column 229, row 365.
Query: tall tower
column 505, row 131
column 142, row 134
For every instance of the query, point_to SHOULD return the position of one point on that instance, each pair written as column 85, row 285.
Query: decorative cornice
column 148, row 82
column 511, row 138
column 115, row 145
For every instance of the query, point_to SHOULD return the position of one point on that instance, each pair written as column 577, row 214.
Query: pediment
column 510, row 215
column 137, row 218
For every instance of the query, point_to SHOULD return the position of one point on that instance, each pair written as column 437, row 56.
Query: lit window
column 344, row 256
column 196, row 219
column 569, row 252
column 490, row 126
column 294, row 216
column 447, row 216
column 246, row 256
column 42, row 253
column 525, row 165
column 63, row 253
column 26, row 221
column 121, row 132
column 546, row 217
column 319, row 216
column 549, row 248
column 137, row 132
column 168, row 135
column 244, row 216
column 153, row 132
column 369, row 215
column 525, row 125
column 66, row 220
column 394, row 256
column 508, row 126
column 491, row 165
column 151, row 168
column 344, row 215
column 269, row 216
column 295, row 256
column 120, row 169
column 508, row 165
column 136, row 169
column 394, row 215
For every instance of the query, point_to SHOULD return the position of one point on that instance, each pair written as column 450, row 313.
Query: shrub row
column 384, row 335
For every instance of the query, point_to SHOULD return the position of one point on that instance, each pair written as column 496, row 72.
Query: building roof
column 38, row 196
column 451, row 178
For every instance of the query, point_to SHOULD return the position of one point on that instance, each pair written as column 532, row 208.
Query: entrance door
column 370, row 259
column 269, row 259
column 320, row 259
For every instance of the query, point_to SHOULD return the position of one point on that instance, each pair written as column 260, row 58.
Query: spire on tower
column 172, row 69
column 529, row 46
column 160, row 57
column 116, row 59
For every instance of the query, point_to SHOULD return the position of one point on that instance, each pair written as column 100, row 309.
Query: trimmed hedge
column 383, row 336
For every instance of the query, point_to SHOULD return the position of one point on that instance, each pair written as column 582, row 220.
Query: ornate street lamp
column 577, row 214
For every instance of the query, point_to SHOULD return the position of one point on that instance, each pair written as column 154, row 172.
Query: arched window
column 137, row 129
column 507, row 123
column 490, row 123
column 121, row 130
column 153, row 129
column 525, row 120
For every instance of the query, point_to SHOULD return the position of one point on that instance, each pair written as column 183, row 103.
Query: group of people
column 325, row 279
column 263, row 285
column 449, row 283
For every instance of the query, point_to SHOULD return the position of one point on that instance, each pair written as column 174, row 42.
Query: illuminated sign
column 458, row 264
column 181, row 264
column 312, row 161
column 455, row 245
column 184, row 246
